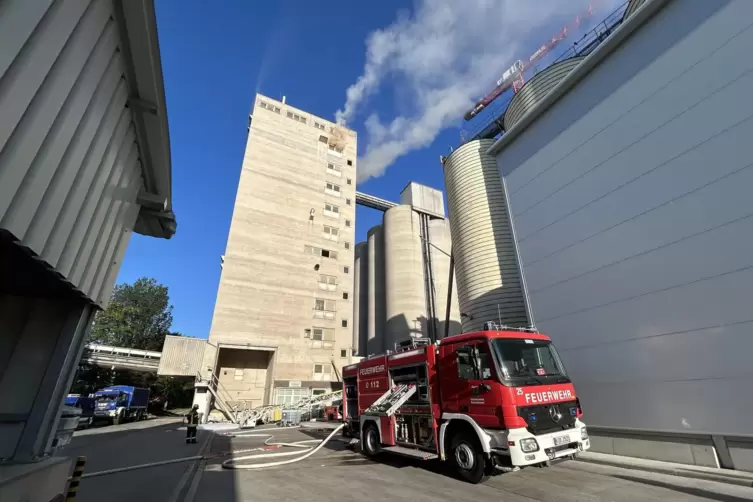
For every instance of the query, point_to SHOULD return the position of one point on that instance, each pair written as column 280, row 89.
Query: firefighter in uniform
column 192, row 422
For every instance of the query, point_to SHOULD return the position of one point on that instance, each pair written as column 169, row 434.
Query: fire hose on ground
column 306, row 449
column 305, row 445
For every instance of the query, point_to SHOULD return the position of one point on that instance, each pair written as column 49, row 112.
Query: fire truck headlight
column 583, row 434
column 529, row 445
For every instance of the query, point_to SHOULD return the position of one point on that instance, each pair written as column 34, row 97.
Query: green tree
column 139, row 316
column 90, row 378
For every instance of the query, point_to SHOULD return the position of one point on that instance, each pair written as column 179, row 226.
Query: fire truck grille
column 546, row 418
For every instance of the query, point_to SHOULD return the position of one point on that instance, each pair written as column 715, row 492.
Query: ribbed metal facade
column 84, row 160
column 375, row 293
column 181, row 356
column 440, row 250
column 631, row 199
column 70, row 164
column 486, row 266
column 536, row 89
column 405, row 301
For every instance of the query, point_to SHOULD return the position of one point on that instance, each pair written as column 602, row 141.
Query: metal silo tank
column 361, row 298
column 486, row 265
column 537, row 89
column 404, row 276
column 441, row 248
column 375, row 293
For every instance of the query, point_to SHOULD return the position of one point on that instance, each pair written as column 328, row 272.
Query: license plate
column 560, row 440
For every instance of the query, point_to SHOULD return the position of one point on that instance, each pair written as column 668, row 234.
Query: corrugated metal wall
column 632, row 207
column 69, row 163
column 182, row 356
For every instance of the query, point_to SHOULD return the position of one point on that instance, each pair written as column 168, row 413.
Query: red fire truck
column 487, row 401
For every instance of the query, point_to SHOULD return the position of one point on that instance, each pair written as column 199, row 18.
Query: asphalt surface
column 337, row 473
column 132, row 444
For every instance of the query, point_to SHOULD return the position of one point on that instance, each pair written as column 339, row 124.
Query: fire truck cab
column 492, row 400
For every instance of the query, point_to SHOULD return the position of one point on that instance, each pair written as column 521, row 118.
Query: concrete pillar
column 377, row 316
column 361, row 296
column 203, row 398
column 405, row 287
column 356, row 296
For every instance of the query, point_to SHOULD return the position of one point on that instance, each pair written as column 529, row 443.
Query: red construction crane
column 513, row 76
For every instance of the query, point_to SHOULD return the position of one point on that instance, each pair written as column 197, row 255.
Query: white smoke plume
column 443, row 57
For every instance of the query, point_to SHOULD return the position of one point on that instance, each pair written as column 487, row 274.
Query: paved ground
column 117, row 446
column 335, row 473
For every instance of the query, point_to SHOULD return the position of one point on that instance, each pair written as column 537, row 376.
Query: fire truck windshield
column 528, row 362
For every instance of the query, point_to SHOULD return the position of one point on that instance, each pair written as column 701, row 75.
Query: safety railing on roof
column 489, row 123
column 595, row 36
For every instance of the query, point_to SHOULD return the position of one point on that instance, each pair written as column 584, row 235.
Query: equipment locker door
column 450, row 386
column 469, row 386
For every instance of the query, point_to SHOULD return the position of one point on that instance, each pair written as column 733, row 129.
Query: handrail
column 220, row 401
column 96, row 347
column 221, row 388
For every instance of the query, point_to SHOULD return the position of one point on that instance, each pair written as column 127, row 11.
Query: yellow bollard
column 75, row 479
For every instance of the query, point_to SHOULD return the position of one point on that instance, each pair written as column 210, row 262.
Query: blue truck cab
column 85, row 404
column 120, row 403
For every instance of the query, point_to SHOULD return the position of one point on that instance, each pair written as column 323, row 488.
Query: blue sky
column 422, row 69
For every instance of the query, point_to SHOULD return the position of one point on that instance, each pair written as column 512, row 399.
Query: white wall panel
column 70, row 166
column 630, row 197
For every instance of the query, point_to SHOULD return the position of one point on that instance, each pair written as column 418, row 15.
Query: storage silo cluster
column 402, row 275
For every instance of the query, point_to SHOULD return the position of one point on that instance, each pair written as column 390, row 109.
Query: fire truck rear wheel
column 468, row 458
column 371, row 440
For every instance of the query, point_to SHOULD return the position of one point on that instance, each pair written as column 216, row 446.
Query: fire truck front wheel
column 371, row 440
column 468, row 459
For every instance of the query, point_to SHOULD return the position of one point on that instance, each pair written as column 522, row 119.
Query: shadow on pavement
column 697, row 492
column 338, row 443
column 220, row 444
column 131, row 447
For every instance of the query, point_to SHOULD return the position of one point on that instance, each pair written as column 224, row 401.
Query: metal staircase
column 391, row 400
column 216, row 389
column 245, row 417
